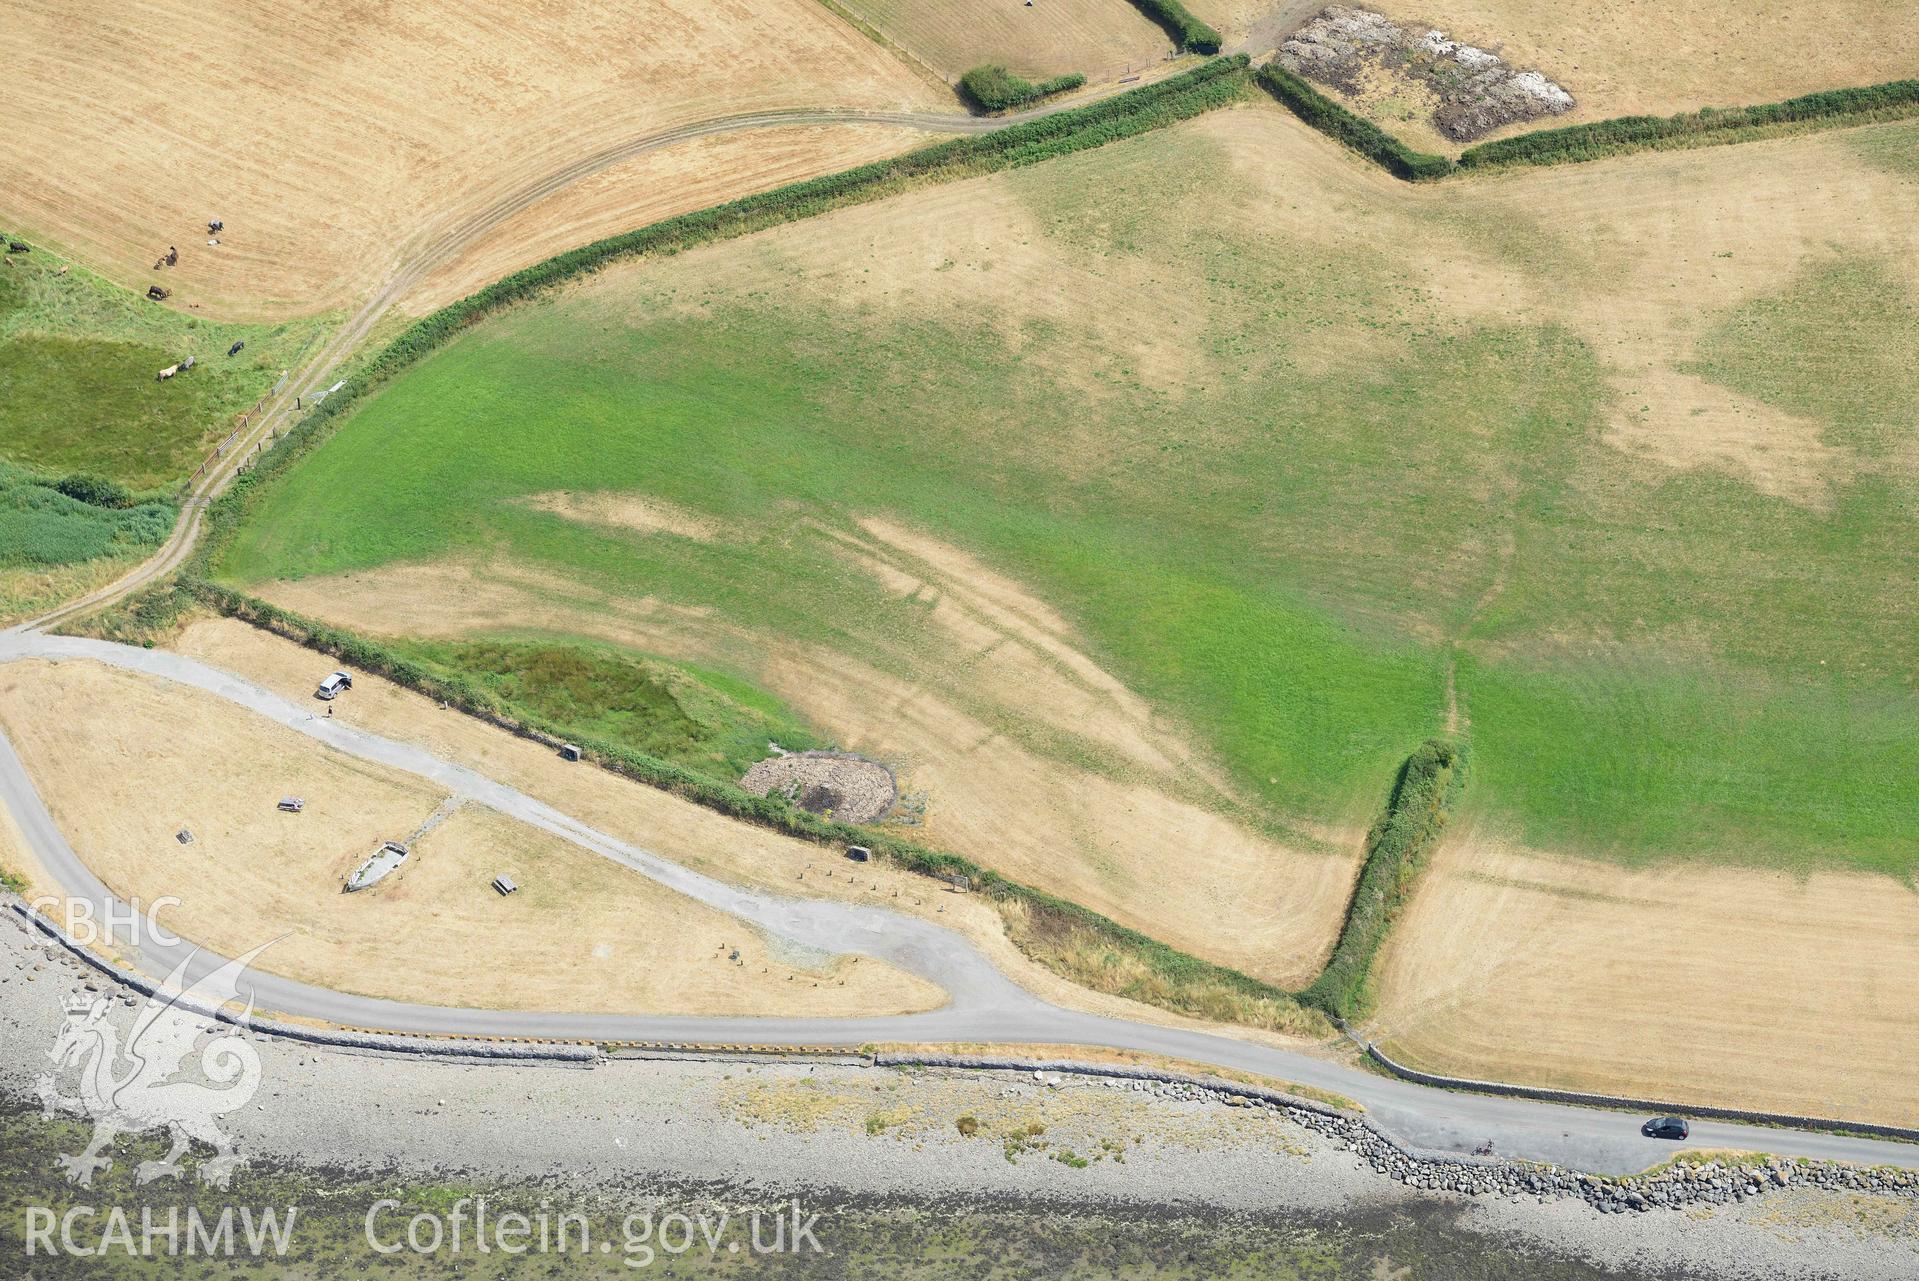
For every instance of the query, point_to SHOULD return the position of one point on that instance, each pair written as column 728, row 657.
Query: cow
column 157, row 294
column 235, row 349
column 167, row 373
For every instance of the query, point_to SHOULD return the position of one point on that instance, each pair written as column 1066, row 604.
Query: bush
column 1395, row 849
column 968, row 1126
column 41, row 524
column 1362, row 135
column 95, row 491
column 1188, row 32
column 1577, row 143
column 996, row 88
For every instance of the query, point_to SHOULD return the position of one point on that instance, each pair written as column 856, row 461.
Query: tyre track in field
column 438, row 243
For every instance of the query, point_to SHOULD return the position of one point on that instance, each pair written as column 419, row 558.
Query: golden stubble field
column 1734, row 986
column 331, row 137
column 1097, row 38
column 125, row 761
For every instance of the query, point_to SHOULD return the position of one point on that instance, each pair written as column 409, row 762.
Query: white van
column 332, row 686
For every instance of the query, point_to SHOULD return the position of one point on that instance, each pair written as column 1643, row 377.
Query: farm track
column 439, row 243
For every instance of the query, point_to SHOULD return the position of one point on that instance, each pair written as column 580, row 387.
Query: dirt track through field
column 441, row 243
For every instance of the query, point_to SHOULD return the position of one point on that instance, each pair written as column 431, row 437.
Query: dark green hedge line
column 1427, row 785
column 1191, row 93
column 1639, row 133
column 1362, row 135
column 728, row 798
column 1188, row 32
column 996, row 88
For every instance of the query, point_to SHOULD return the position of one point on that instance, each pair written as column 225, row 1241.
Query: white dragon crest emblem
column 132, row 1090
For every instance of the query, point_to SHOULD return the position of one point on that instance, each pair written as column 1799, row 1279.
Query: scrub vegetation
column 60, row 537
column 702, row 720
column 995, row 88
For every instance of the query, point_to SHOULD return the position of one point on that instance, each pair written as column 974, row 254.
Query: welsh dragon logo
column 132, row 1089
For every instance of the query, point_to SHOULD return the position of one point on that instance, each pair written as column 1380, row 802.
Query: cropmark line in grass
column 1086, row 947
column 1212, row 85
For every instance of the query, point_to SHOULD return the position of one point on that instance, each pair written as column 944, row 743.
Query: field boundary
column 1186, row 984
column 1349, row 128
column 1204, row 88
column 1427, row 785
column 1623, row 135
column 1598, row 140
column 1580, row 1098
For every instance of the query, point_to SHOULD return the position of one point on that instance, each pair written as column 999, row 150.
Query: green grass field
column 1340, row 487
column 77, row 363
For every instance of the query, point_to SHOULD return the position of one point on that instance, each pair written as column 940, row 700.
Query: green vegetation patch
column 995, row 88
column 699, row 720
column 1187, row 31
column 40, row 525
column 1839, row 345
column 78, row 364
column 1677, row 761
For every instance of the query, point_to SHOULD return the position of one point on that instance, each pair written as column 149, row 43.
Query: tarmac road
column 985, row 1006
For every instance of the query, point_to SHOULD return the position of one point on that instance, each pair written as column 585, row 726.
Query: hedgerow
column 996, row 88
column 1138, row 111
column 1576, row 143
column 1395, row 848
column 1182, row 982
column 1188, row 32
column 1362, row 135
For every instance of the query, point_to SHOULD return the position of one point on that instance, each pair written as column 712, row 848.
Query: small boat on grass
column 380, row 864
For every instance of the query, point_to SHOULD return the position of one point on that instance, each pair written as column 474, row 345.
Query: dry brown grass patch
column 1721, row 985
column 1098, row 38
column 125, row 761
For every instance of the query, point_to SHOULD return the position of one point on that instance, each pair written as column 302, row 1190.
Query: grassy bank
column 1428, row 785
column 700, row 720
column 78, row 359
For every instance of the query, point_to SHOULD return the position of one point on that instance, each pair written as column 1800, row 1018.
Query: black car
column 1666, row 1127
